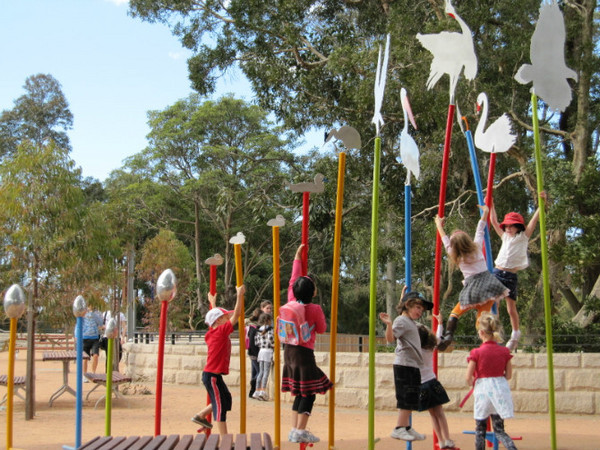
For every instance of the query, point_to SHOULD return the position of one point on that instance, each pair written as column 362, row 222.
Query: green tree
column 40, row 115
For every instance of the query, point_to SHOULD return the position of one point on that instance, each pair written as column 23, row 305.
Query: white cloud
column 117, row 2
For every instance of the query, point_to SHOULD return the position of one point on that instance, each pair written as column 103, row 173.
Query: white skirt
column 492, row 396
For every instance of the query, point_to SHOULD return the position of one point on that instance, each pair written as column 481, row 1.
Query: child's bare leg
column 403, row 418
column 302, row 421
column 222, row 427
column 206, row 411
column 511, row 307
column 294, row 419
column 440, row 423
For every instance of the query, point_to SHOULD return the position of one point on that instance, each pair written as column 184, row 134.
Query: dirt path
column 54, row 426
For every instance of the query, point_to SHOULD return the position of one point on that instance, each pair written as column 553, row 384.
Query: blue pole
column 79, row 384
column 481, row 201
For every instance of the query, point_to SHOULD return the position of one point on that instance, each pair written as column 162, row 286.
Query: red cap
column 513, row 218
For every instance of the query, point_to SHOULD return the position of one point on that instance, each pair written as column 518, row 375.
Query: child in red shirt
column 220, row 323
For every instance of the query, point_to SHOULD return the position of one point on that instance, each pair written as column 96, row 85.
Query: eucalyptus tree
column 213, row 169
column 312, row 63
column 40, row 115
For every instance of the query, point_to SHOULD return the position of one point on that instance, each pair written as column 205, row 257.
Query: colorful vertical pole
column 79, row 310
column 239, row 279
column 441, row 210
column 166, row 288
column 407, row 237
column 546, row 279
column 373, row 289
column 111, row 333
column 305, row 221
column 276, row 223
column 335, row 282
column 14, row 307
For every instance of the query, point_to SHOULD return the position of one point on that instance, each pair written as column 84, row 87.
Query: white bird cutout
column 380, row 77
column 313, row 188
column 348, row 135
column 215, row 260
column 278, row 221
column 548, row 72
column 498, row 137
column 451, row 52
column 239, row 238
column 409, row 152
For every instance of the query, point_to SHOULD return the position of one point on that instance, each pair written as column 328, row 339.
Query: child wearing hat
column 511, row 258
column 220, row 326
column 407, row 375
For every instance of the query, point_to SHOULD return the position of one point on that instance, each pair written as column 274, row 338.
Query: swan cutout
column 239, row 238
column 548, row 70
column 348, row 135
column 215, row 260
column 278, row 221
column 498, row 137
column 451, row 52
column 409, row 152
column 314, row 188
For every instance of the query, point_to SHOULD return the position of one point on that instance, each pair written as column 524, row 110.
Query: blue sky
column 112, row 68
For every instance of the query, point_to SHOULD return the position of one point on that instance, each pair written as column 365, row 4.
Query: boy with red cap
column 220, row 326
column 511, row 258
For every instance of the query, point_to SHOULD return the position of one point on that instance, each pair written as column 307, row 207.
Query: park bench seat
column 253, row 441
column 99, row 379
column 18, row 384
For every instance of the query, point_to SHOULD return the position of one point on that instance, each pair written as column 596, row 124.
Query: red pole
column 305, row 219
column 159, row 365
column 438, row 241
column 213, row 279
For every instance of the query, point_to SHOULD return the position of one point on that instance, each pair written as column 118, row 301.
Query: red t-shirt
column 219, row 348
column 490, row 359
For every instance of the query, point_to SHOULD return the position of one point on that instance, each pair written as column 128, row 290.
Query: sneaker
column 85, row 380
column 418, row 436
column 307, row 437
column 293, row 436
column 449, row 443
column 202, row 421
column 263, row 396
column 257, row 395
column 402, row 433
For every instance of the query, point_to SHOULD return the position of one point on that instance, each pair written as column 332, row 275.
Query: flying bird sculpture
column 451, row 52
column 313, row 188
column 498, row 137
column 548, row 70
column 409, row 152
column 348, row 135
column 380, row 77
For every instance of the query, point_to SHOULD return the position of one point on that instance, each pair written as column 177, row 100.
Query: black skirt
column 432, row 394
column 301, row 375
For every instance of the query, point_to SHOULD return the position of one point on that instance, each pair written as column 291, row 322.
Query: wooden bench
column 257, row 441
column 99, row 379
column 47, row 341
column 19, row 385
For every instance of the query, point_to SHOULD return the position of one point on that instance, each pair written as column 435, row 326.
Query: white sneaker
column 402, row 433
column 256, row 395
column 293, row 435
column 448, row 444
column 263, row 396
column 85, row 380
column 418, row 436
column 307, row 437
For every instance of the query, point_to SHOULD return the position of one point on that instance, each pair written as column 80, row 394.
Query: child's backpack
column 292, row 327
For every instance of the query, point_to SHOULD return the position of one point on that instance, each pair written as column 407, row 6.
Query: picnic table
column 18, row 384
column 65, row 357
column 99, row 379
column 258, row 441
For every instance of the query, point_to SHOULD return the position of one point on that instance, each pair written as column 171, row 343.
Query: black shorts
column 91, row 346
column 407, row 381
column 510, row 280
column 220, row 397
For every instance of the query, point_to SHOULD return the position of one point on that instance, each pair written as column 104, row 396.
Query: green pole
column 108, row 397
column 546, row 278
column 373, row 290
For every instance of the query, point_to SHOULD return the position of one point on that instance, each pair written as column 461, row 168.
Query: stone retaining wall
column 576, row 377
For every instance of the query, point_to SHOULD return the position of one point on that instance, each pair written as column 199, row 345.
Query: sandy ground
column 54, row 426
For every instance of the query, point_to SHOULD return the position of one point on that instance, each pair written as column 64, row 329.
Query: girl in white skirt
column 488, row 372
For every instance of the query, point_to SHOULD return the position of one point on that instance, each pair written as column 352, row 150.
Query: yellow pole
column 277, row 351
column 10, row 384
column 334, row 293
column 239, row 279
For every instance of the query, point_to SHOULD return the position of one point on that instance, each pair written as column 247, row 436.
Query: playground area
column 54, row 426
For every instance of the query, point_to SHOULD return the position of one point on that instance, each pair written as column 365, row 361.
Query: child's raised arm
column 439, row 223
column 485, row 210
column 238, row 304
column 494, row 221
column 534, row 219
column 389, row 334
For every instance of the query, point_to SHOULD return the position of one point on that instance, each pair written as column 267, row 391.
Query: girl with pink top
column 481, row 288
column 301, row 376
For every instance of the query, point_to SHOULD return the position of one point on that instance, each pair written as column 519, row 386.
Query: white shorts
column 492, row 396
